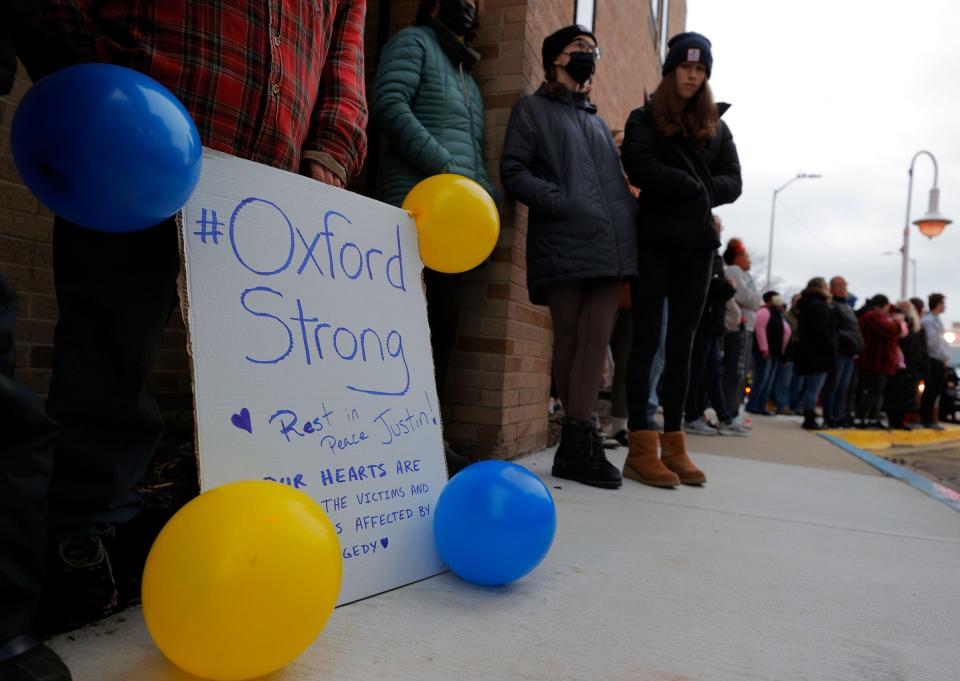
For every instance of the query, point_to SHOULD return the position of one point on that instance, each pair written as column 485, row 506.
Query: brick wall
column 499, row 386
column 630, row 64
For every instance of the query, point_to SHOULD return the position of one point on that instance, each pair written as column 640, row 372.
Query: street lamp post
column 930, row 225
column 913, row 269
column 773, row 215
column 913, row 263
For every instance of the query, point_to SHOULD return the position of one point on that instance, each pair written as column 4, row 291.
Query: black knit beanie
column 688, row 47
column 554, row 43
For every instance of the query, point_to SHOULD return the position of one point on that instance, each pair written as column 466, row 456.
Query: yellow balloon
column 457, row 222
column 241, row 580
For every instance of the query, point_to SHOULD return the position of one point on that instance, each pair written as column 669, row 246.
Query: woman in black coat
column 900, row 396
column 817, row 346
column 559, row 158
column 682, row 157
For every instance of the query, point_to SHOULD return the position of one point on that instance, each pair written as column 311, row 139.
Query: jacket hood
column 577, row 99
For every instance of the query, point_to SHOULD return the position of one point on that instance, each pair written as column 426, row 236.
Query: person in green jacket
column 430, row 110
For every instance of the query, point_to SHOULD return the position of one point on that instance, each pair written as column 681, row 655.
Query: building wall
column 495, row 402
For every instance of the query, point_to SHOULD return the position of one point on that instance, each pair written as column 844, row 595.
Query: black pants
column 706, row 381
column 682, row 278
column 932, row 388
column 115, row 293
column 735, row 352
column 871, row 387
column 443, row 316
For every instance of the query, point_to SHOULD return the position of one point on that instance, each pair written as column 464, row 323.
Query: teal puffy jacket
column 431, row 112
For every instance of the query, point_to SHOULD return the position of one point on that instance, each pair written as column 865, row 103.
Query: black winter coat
column 817, row 328
column 679, row 182
column 559, row 158
column 901, row 392
column 718, row 294
column 849, row 339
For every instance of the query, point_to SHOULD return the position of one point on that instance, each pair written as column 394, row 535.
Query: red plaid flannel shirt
column 273, row 81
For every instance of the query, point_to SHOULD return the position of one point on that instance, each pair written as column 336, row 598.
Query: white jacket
column 936, row 344
column 747, row 296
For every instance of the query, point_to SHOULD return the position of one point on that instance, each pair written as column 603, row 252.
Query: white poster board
column 311, row 359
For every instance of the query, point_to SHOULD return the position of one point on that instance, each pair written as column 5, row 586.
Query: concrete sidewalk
column 796, row 561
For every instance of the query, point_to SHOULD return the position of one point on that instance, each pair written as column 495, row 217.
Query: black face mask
column 581, row 66
column 457, row 15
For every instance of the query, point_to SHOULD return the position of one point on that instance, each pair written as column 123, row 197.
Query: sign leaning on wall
column 311, row 359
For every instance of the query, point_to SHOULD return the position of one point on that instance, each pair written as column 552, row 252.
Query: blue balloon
column 494, row 522
column 106, row 147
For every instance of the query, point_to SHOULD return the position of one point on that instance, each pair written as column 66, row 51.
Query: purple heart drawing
column 242, row 420
column 384, row 542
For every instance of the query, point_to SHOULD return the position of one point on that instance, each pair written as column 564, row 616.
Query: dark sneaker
column 26, row 659
column 621, row 437
column 81, row 587
column 933, row 426
column 580, row 457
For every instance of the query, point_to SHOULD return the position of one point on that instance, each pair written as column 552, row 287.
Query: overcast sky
column 850, row 89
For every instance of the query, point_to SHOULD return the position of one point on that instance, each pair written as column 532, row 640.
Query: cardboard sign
column 312, row 362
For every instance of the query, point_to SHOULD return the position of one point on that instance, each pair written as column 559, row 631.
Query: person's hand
column 765, row 354
column 899, row 316
column 321, row 173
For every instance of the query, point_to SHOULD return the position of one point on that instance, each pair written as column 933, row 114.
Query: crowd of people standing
column 857, row 364
column 622, row 243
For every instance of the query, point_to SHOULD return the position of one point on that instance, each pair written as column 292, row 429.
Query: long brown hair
column 696, row 118
column 818, row 285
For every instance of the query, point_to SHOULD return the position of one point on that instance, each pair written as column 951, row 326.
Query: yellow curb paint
column 866, row 439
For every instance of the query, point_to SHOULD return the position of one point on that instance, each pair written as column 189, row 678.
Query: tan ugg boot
column 675, row 457
column 643, row 463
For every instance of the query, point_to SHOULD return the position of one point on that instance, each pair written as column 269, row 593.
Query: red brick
column 487, row 345
column 41, row 357
column 26, row 280
column 480, row 415
column 166, row 382
column 33, row 331
column 17, row 197
column 463, row 395
column 37, row 380
column 20, row 251
column 173, row 359
column 476, row 379
column 174, row 339
column 21, row 225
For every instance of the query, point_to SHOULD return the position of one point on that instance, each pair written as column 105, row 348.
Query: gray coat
column 559, row 158
column 849, row 339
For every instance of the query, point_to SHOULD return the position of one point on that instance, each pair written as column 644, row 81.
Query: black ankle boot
column 580, row 456
column 24, row 657
column 810, row 421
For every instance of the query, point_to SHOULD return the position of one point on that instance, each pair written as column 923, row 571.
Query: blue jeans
column 656, row 369
column 764, row 371
column 836, row 388
column 797, row 384
column 811, row 389
column 781, row 385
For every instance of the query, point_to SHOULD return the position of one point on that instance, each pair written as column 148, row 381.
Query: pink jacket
column 763, row 318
